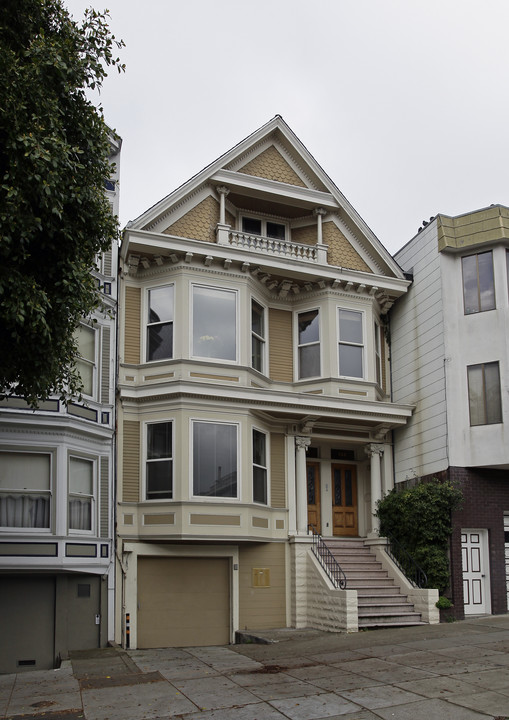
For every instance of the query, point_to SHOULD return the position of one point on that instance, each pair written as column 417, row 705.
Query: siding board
column 131, row 461
column 280, row 345
column 277, row 471
column 132, row 325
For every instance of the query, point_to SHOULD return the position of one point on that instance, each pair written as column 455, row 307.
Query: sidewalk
column 457, row 671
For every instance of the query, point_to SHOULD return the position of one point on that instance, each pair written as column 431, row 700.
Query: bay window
column 308, row 344
column 25, row 489
column 484, row 397
column 214, row 323
column 81, row 493
column 259, row 467
column 159, row 462
column 160, row 323
column 214, row 459
column 257, row 336
column 351, row 345
column 86, row 362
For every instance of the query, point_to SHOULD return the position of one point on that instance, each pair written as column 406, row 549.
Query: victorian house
column 56, row 499
column 254, row 398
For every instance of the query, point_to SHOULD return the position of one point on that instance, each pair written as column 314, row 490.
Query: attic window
column 256, row 226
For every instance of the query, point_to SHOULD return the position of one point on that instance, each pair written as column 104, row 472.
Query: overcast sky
column 404, row 103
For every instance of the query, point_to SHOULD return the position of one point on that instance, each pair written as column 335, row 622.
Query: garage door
column 183, row 602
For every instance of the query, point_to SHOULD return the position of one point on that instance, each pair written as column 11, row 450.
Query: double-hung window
column 257, row 336
column 309, row 344
column 81, row 493
column 160, row 323
column 25, row 489
column 351, row 344
column 214, row 459
column 484, row 394
column 478, row 282
column 159, row 462
column 267, row 228
column 214, row 323
column 86, row 362
column 259, row 467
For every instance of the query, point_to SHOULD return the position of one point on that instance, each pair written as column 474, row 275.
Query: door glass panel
column 337, row 488
column 311, row 485
column 348, row 488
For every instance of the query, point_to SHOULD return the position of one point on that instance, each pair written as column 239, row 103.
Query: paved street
column 457, row 671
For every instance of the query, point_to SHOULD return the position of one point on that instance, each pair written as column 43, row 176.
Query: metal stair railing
column 327, row 560
column 406, row 563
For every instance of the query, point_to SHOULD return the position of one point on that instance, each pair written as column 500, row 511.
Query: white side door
column 474, row 550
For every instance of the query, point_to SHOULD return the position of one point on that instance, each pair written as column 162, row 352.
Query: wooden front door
column 344, row 500
column 313, row 486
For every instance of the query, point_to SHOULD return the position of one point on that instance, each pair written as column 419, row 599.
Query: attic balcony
column 271, row 246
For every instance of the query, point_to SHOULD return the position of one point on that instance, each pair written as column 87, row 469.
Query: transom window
column 81, row 493
column 160, row 323
column 25, row 489
column 309, row 344
column 478, row 283
column 257, row 336
column 267, row 228
column 214, row 460
column 214, row 323
column 159, row 464
column 351, row 344
column 259, row 467
column 484, row 394
column 85, row 363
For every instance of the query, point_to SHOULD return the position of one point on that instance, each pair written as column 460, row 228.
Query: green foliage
column 419, row 518
column 54, row 216
column 443, row 603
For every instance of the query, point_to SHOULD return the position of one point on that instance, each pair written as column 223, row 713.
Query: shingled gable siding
column 277, row 471
column 281, row 347
column 306, row 235
column 340, row 252
column 199, row 223
column 271, row 165
column 131, row 462
column 132, row 325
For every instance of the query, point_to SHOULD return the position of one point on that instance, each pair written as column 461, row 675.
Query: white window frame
column 218, row 288
column 484, row 394
column 265, row 467
column 146, row 460
column 147, row 324
column 300, row 345
column 362, row 345
column 95, row 365
column 215, row 498
column 264, row 221
column 466, row 309
column 261, row 339
column 26, row 529
column 93, row 497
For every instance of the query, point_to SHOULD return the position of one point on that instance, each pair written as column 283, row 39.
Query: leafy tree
column 419, row 518
column 54, row 216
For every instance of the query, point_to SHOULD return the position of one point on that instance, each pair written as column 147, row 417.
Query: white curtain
column 31, row 511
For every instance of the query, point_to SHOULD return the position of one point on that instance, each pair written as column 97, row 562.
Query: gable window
column 267, row 228
column 25, row 489
column 214, row 460
column 86, row 362
column 309, row 344
column 214, row 323
column 257, row 336
column 81, row 493
column 484, row 397
column 351, row 346
column 478, row 283
column 160, row 323
column 159, row 463
column 259, row 467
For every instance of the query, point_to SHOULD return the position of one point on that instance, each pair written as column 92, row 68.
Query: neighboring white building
column 56, row 500
column 254, row 396
column 450, row 359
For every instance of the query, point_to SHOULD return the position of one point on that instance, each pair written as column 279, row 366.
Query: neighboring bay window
column 25, row 489
column 214, row 459
column 259, row 467
column 86, row 362
column 81, row 493
column 160, row 323
column 159, row 464
column 214, row 323
column 309, row 344
column 478, row 283
column 257, row 336
column 351, row 346
column 484, row 394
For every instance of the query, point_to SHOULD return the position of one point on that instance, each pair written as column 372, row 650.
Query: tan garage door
column 183, row 602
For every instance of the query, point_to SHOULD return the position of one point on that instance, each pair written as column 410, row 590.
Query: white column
column 223, row 192
column 301, row 445
column 319, row 213
column 375, row 452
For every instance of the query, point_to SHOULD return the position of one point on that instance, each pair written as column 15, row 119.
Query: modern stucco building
column 254, row 396
column 56, row 500
column 450, row 358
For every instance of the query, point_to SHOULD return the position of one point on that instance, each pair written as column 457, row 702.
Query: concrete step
column 372, row 599
column 377, row 609
column 367, row 624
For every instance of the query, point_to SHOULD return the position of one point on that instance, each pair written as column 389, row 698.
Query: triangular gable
column 270, row 164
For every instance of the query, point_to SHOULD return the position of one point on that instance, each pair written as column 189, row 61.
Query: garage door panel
column 183, row 602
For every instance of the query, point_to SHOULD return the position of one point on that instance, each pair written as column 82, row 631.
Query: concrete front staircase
column 380, row 601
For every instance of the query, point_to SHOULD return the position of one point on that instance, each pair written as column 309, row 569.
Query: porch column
column 319, row 213
column 375, row 452
column 301, row 445
column 222, row 227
